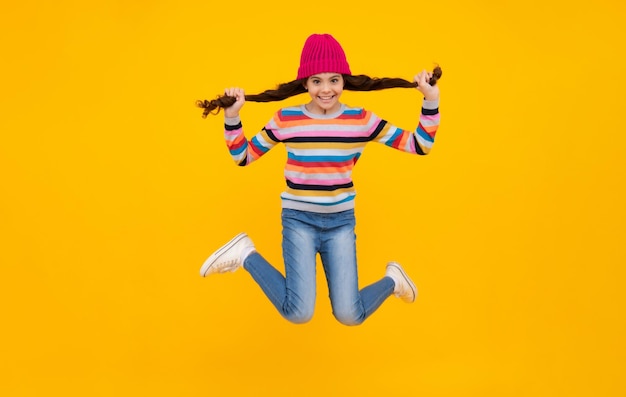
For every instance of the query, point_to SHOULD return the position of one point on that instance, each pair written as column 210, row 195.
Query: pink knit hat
column 322, row 54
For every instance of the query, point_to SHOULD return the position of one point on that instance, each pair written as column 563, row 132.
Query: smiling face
column 325, row 90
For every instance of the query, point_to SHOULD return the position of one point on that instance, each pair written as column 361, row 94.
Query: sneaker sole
column 408, row 280
column 218, row 254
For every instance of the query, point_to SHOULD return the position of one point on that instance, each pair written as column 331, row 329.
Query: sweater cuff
column 430, row 105
column 232, row 120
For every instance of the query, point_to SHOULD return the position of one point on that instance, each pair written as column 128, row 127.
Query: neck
column 310, row 108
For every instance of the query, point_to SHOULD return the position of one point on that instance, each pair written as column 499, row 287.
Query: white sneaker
column 229, row 257
column 404, row 289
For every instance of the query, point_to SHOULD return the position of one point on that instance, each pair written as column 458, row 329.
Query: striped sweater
column 322, row 150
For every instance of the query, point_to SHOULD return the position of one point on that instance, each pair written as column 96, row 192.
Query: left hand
column 430, row 92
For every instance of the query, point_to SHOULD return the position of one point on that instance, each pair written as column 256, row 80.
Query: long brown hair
column 283, row 91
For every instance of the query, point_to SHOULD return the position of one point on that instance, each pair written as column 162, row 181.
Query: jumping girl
column 324, row 138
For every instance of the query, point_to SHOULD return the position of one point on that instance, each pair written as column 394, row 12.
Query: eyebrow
column 331, row 77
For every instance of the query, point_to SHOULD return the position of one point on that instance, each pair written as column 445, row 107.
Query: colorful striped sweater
column 323, row 149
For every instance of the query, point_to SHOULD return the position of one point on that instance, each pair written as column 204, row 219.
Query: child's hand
column 240, row 99
column 431, row 92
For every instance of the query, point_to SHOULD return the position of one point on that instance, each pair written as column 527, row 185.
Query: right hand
column 239, row 95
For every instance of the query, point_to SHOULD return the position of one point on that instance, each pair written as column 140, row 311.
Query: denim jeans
column 305, row 234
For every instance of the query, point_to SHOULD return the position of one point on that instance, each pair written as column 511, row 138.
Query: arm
column 242, row 150
column 421, row 140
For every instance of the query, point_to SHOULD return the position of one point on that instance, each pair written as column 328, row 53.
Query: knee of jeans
column 299, row 318
column 299, row 315
column 349, row 317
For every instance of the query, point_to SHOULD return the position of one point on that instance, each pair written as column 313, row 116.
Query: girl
column 324, row 139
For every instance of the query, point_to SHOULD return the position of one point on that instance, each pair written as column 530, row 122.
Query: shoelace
column 227, row 266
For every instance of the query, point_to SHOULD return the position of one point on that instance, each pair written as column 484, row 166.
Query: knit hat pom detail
column 322, row 54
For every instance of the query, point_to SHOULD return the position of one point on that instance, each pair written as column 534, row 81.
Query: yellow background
column 114, row 190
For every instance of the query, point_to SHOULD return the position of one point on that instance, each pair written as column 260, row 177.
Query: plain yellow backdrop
column 114, row 190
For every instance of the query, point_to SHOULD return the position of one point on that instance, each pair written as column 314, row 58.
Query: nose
column 325, row 87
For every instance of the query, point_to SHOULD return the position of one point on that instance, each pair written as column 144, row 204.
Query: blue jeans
column 306, row 234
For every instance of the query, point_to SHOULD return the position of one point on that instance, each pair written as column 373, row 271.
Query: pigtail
column 283, row 91
column 296, row 87
column 218, row 103
column 366, row 83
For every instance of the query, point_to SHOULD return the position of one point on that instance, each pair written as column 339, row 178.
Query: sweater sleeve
column 242, row 150
column 419, row 141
